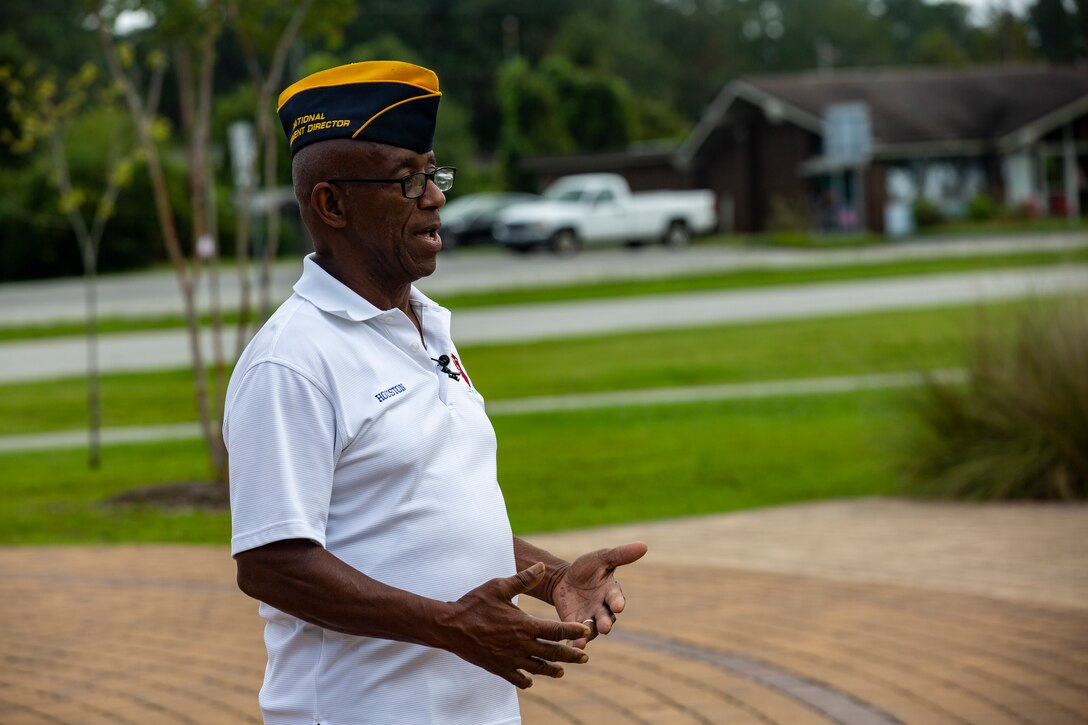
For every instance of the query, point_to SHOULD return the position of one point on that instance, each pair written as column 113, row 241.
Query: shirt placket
column 399, row 330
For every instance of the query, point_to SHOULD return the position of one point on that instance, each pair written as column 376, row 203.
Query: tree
column 595, row 107
column 266, row 31
column 43, row 109
column 1005, row 40
column 1055, row 27
column 1082, row 27
column 937, row 47
column 189, row 29
column 531, row 121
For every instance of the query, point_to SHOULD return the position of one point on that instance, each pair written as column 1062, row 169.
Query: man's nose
column 432, row 196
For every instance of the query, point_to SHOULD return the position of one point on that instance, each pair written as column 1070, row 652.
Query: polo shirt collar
column 330, row 295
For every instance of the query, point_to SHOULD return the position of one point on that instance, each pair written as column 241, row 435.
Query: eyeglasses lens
column 443, row 179
column 416, row 184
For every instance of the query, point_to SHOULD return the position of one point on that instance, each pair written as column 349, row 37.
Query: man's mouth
column 429, row 234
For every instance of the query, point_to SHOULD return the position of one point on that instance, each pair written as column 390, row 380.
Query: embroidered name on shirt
column 387, row 394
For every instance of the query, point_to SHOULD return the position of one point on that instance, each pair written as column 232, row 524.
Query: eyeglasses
column 413, row 185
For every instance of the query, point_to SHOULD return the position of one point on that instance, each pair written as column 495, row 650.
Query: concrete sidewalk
column 851, row 612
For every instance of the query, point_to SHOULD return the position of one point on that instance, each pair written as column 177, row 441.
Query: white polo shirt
column 343, row 430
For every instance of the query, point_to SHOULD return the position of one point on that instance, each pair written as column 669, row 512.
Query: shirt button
column 387, row 319
column 415, row 347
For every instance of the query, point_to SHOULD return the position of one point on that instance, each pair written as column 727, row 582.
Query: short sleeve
column 280, row 431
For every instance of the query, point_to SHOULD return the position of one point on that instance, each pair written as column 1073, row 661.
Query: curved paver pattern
column 851, row 611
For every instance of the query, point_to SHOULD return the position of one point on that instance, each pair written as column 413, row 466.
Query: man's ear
column 327, row 203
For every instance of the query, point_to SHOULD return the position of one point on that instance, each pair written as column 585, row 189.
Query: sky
column 980, row 9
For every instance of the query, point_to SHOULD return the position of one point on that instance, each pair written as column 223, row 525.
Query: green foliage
column 595, row 108
column 1019, row 428
column 1055, row 25
column 51, row 32
column 558, row 108
column 982, row 208
column 789, row 214
column 39, row 244
column 926, row 213
column 259, row 23
column 79, row 119
column 1006, row 39
column 238, row 105
column 533, row 122
column 937, row 47
column 655, row 120
column 35, row 239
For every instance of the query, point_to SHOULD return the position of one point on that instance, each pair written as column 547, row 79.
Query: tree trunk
column 164, row 209
column 88, row 251
column 268, row 140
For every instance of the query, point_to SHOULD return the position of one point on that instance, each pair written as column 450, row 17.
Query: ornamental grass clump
column 1018, row 428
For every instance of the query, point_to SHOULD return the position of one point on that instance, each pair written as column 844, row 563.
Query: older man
column 367, row 516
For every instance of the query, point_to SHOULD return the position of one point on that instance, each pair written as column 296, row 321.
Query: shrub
column 926, row 213
column 1018, row 429
column 983, row 208
column 1025, row 210
column 788, row 214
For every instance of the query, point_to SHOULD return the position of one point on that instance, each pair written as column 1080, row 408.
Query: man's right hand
column 485, row 628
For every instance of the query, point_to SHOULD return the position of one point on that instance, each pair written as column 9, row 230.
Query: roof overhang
column 655, row 156
column 776, row 108
column 772, row 106
column 818, row 165
column 1032, row 132
column 932, row 149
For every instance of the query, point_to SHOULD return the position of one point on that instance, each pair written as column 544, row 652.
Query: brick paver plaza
column 866, row 611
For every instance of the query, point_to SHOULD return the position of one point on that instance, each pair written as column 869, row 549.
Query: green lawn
column 52, row 497
column 880, row 342
column 558, row 470
column 589, row 468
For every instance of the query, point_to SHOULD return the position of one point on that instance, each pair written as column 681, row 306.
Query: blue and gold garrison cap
column 383, row 100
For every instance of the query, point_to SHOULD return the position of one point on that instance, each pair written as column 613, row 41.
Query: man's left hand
column 588, row 590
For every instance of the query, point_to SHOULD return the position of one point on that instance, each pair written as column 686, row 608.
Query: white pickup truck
column 599, row 209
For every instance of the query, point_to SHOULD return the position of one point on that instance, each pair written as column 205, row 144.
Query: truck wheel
column 677, row 235
column 565, row 242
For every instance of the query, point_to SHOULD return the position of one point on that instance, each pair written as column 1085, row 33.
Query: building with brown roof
column 857, row 149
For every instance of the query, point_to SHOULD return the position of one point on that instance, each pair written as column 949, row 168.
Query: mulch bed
column 204, row 495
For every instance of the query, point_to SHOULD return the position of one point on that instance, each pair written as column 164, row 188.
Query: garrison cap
column 383, row 100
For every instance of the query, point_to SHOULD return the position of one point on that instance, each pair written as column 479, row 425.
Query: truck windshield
column 566, row 195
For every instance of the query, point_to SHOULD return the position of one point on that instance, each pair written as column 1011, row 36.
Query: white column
column 1069, row 173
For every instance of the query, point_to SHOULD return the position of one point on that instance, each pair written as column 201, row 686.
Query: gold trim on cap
column 374, row 71
column 390, row 108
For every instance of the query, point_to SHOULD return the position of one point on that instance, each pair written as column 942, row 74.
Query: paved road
column 164, row 349
column 857, row 612
column 156, row 294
